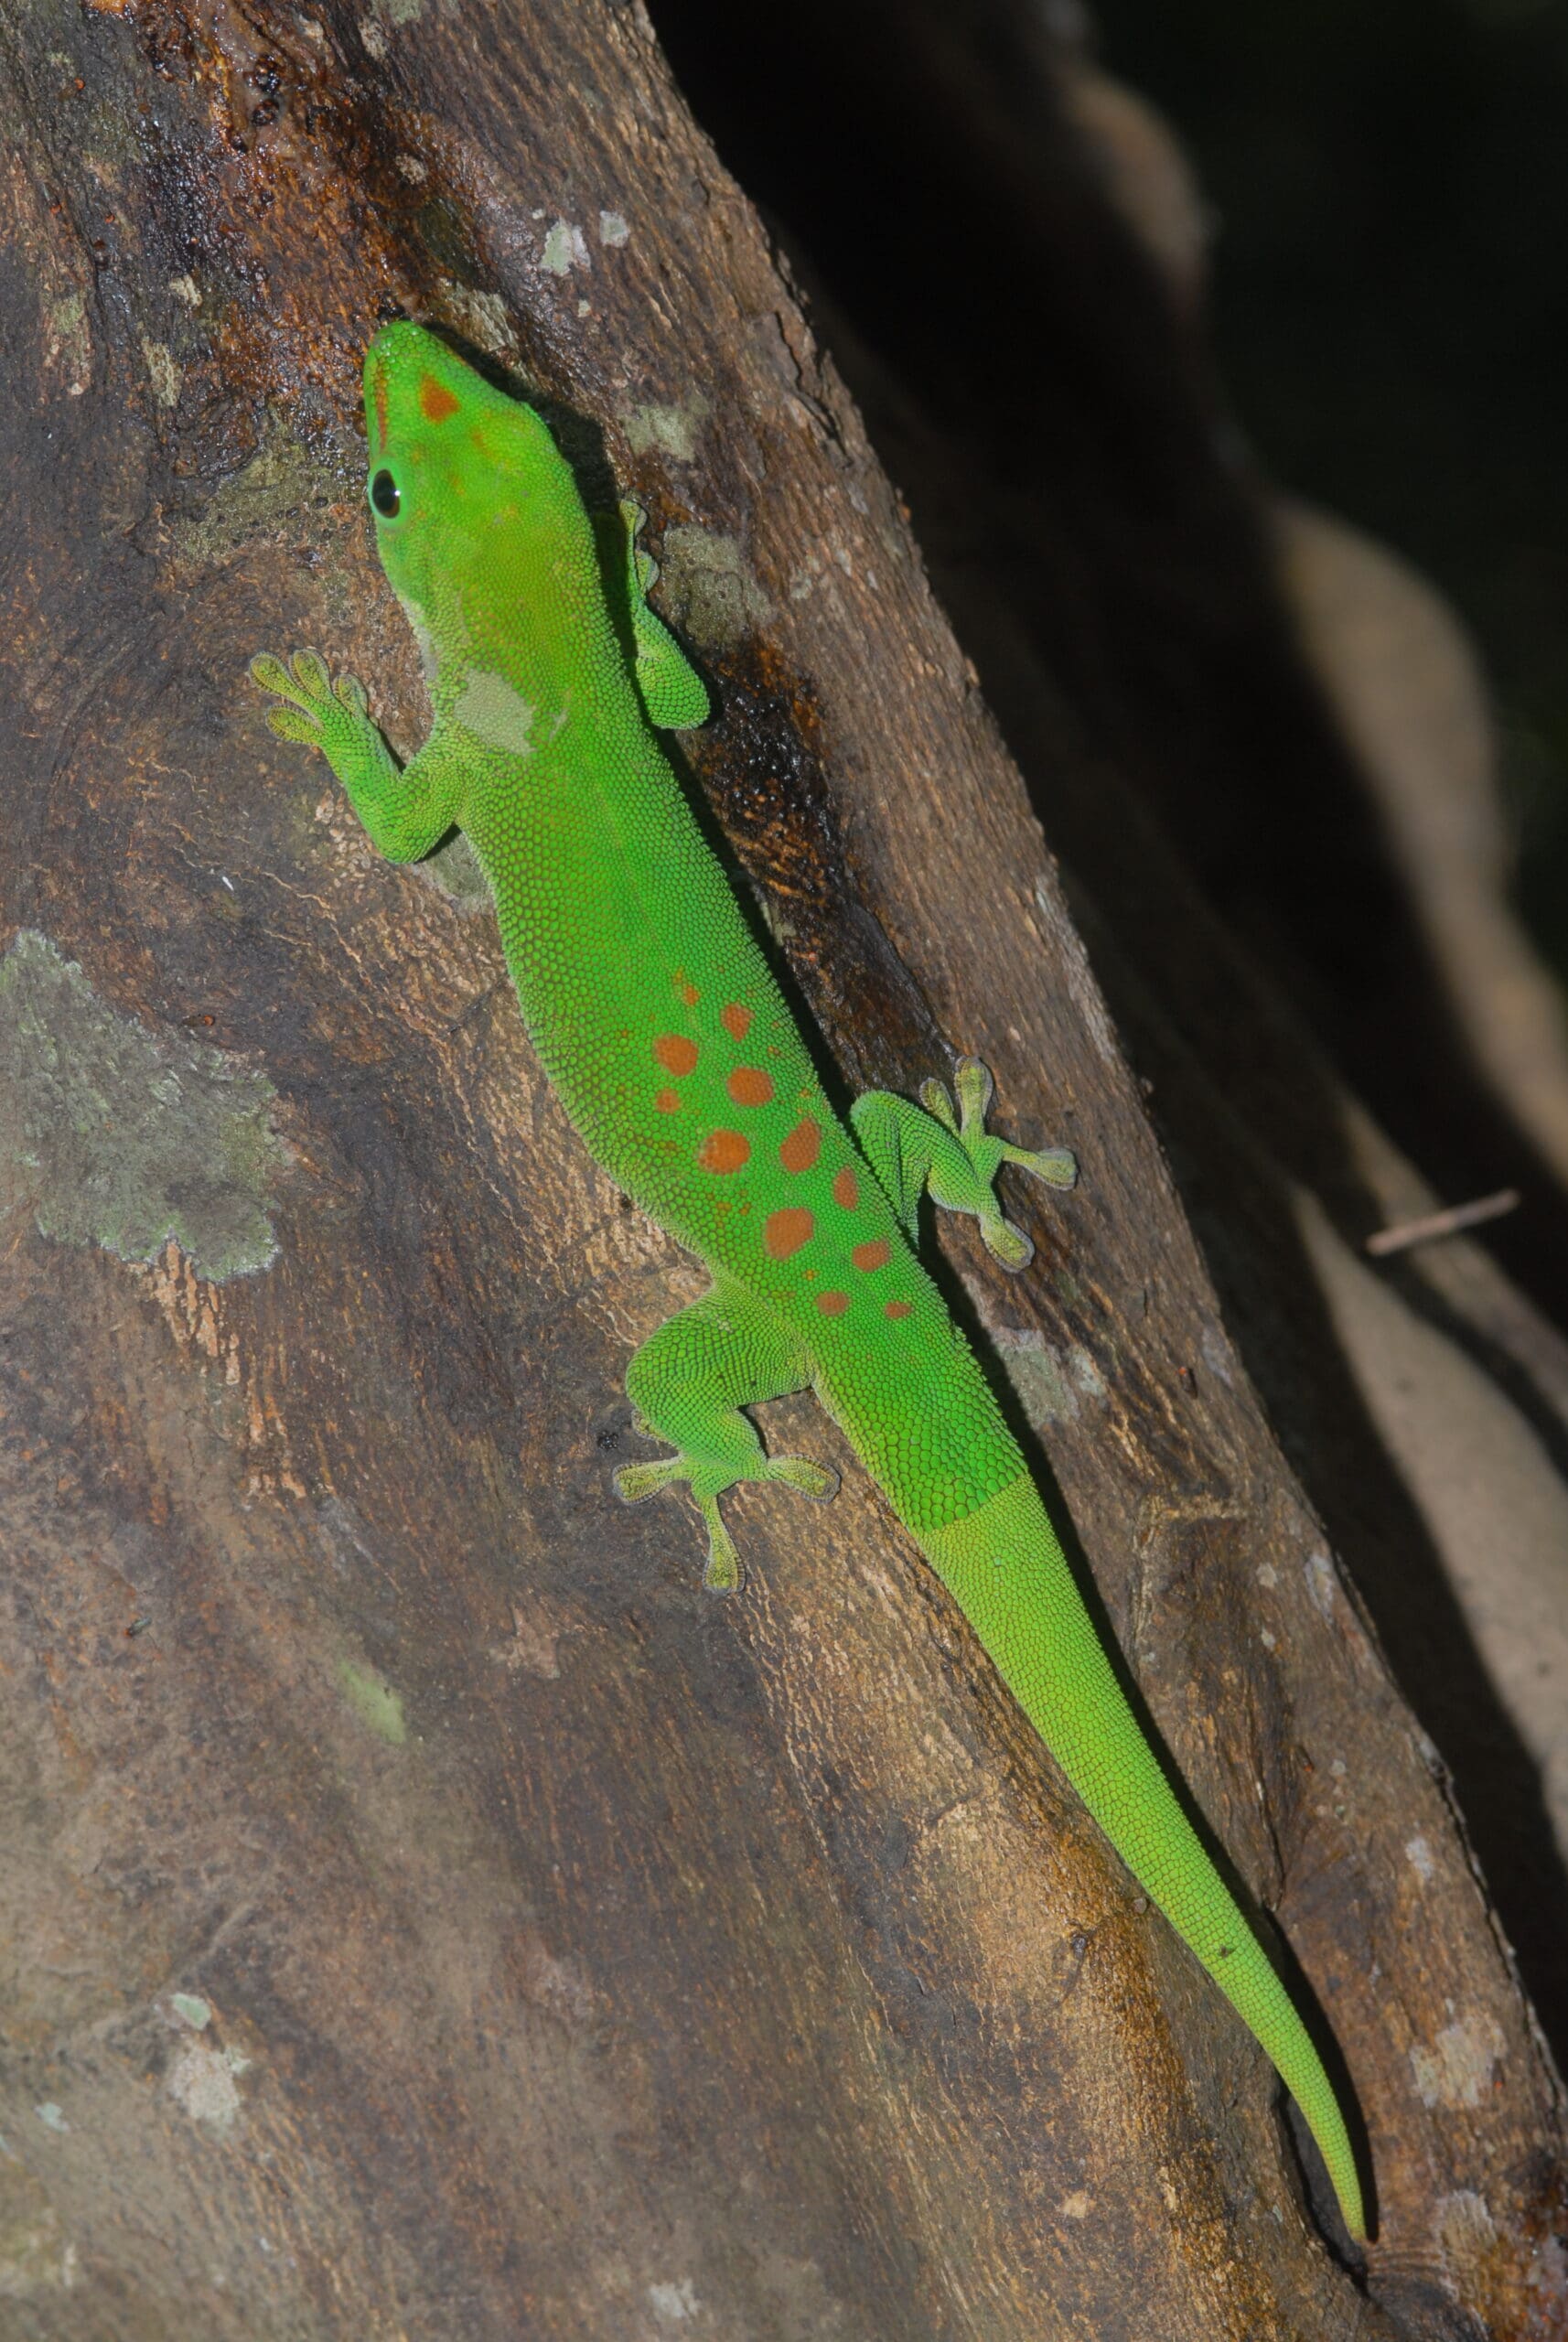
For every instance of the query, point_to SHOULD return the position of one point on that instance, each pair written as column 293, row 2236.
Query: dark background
column 1381, row 338
column 1389, row 309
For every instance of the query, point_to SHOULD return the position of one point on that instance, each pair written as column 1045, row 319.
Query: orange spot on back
column 667, row 1103
column 435, row 400
column 675, row 1053
column 690, row 995
column 724, row 1151
column 801, row 1148
column 736, row 1020
column 786, row 1232
column 874, row 1255
column 749, row 1085
column 833, row 1304
column 846, row 1188
column 897, row 1310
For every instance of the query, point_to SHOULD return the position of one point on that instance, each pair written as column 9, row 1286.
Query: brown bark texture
column 429, row 1917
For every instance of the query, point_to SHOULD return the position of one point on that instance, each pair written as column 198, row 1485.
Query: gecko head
column 477, row 511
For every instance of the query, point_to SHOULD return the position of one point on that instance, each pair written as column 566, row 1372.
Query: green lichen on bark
column 115, row 1135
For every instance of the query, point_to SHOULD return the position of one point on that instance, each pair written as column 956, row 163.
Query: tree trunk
column 434, row 1916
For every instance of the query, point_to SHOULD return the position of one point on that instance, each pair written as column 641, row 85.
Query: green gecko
column 662, row 1028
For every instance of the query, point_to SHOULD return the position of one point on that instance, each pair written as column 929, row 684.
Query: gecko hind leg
column 946, row 1149
column 687, row 1385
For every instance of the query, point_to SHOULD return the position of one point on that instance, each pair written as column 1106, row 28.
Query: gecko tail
column 1004, row 1566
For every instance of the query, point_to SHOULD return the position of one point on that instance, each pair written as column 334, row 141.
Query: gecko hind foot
column 635, row 1483
column 965, row 1121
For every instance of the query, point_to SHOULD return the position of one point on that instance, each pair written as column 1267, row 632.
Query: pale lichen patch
column 68, row 344
column 1457, row 2069
column 565, row 248
column 673, row 2305
column 1318, row 1570
column 163, row 371
column 1048, row 1394
column 373, row 1701
column 457, row 869
column 708, row 590
column 32, row 2258
column 531, row 1648
column 669, row 431
column 204, row 2082
column 1052, row 1385
column 127, row 1138
column 284, row 489
column 1462, row 2225
column 483, row 316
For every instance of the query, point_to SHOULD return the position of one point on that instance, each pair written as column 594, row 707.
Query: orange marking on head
column 874, row 1255
column 482, row 447
column 749, row 1085
column 690, row 995
column 786, row 1232
column 724, row 1151
column 736, row 1020
column 833, row 1304
column 846, row 1188
column 801, row 1148
column 668, row 1101
column 379, row 392
column 898, row 1309
column 675, row 1053
column 436, row 402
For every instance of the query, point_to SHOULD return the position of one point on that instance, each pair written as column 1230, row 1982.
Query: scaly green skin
column 660, row 1023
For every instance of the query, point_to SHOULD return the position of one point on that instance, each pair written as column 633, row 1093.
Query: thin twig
column 1443, row 1223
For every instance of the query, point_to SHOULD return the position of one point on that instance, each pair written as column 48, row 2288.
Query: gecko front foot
column 334, row 717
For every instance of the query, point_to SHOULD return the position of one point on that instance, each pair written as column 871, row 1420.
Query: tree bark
column 433, row 1916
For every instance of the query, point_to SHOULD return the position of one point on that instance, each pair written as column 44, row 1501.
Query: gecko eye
column 385, row 495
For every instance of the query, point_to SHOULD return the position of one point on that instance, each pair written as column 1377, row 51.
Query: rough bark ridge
column 431, row 1917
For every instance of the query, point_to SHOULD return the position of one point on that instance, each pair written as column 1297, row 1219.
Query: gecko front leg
column 406, row 809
